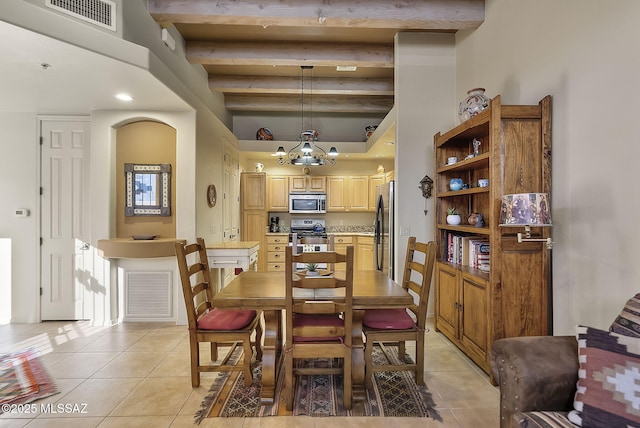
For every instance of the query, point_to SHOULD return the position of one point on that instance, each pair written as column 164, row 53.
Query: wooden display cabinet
column 474, row 307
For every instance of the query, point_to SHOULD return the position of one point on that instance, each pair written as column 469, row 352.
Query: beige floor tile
column 64, row 423
column 462, row 389
column 114, row 342
column 13, row 423
column 292, row 422
column 156, row 396
column 478, row 418
column 95, row 397
column 81, row 365
column 130, row 364
column 164, row 342
column 173, row 364
column 183, row 421
column 64, row 385
column 137, row 421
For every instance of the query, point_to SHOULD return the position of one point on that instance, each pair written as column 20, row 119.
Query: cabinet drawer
column 276, row 248
column 273, row 256
column 278, row 239
column 275, row 267
column 343, row 239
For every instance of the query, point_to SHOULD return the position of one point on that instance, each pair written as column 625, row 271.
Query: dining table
column 372, row 289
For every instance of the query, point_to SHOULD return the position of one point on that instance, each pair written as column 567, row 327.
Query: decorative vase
column 475, row 102
column 455, row 184
column 453, row 219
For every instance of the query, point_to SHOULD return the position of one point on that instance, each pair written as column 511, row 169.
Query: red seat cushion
column 387, row 319
column 312, row 320
column 226, row 319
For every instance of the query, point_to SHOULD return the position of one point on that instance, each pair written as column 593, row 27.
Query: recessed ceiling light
column 124, row 97
column 346, row 68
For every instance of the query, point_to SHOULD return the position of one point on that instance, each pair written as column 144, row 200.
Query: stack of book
column 468, row 251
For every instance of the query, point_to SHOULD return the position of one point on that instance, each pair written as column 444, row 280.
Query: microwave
column 307, row 203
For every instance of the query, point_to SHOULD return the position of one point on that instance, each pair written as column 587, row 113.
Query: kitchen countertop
column 330, row 233
column 240, row 245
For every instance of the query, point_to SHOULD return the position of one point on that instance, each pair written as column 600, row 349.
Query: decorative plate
column 212, row 195
column 322, row 272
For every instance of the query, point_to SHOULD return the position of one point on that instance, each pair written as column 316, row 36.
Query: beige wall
column 583, row 53
column 145, row 143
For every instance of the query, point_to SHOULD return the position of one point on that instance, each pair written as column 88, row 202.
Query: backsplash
column 350, row 229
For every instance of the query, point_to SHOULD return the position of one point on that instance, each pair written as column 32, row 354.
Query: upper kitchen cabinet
column 252, row 187
column 308, row 183
column 278, row 193
column 347, row 193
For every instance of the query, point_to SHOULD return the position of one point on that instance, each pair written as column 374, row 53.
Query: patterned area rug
column 392, row 394
column 24, row 378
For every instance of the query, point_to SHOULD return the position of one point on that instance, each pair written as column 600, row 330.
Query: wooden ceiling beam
column 292, row 85
column 321, row 103
column 400, row 14
column 290, row 54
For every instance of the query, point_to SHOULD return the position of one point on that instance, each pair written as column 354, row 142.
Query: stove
column 308, row 227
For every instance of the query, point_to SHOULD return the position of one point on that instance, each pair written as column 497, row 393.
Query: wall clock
column 212, row 195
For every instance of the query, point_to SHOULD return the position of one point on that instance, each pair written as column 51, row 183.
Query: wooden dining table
column 372, row 289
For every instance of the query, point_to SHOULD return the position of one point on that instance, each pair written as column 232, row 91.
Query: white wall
column 19, row 186
column 424, row 84
column 583, row 53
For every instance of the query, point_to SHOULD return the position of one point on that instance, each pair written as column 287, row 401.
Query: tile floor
column 137, row 374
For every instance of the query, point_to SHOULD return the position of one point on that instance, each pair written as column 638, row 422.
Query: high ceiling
column 253, row 50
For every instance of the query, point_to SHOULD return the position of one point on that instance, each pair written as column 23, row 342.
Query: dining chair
column 219, row 327
column 397, row 326
column 318, row 327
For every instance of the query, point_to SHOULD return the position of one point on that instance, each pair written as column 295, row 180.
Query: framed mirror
column 147, row 189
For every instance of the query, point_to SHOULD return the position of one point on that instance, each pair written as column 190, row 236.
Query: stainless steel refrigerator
column 384, row 225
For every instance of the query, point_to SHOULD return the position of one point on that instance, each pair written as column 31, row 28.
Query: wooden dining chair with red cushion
column 219, row 327
column 318, row 327
column 397, row 326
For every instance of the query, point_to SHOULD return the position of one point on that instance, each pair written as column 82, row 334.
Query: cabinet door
column 358, row 194
column 253, row 189
column 447, row 306
column 374, row 182
column 364, row 255
column 298, row 183
column 253, row 228
column 317, row 184
column 336, row 193
column 277, row 193
column 475, row 315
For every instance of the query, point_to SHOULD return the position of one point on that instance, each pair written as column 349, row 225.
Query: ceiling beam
column 292, row 85
column 290, row 54
column 401, row 14
column 320, row 103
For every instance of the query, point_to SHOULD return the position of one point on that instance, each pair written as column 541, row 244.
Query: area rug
column 23, row 379
column 392, row 394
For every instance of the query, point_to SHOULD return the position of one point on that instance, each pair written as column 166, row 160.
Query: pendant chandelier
column 306, row 152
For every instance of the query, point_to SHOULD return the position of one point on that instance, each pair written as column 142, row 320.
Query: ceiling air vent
column 98, row 12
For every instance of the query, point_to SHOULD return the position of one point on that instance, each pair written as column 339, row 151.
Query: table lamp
column 526, row 210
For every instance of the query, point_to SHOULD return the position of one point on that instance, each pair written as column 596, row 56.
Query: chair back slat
column 195, row 277
column 419, row 262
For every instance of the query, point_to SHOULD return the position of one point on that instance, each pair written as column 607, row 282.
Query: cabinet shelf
column 480, row 161
column 472, row 191
column 467, row 269
column 466, row 229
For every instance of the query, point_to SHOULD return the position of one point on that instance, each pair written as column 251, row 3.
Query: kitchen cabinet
column 374, row 182
column 254, row 214
column 347, row 193
column 276, row 245
column 308, row 183
column 278, row 193
column 364, row 253
column 253, row 190
column 341, row 242
column 510, row 297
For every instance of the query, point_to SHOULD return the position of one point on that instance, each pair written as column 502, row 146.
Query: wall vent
column 148, row 295
column 98, row 12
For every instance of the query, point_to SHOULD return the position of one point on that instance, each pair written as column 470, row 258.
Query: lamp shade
column 525, row 209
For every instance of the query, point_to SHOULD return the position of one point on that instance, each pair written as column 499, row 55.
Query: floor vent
column 148, row 295
column 98, row 12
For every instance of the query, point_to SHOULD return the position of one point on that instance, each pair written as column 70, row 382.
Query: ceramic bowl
column 483, row 182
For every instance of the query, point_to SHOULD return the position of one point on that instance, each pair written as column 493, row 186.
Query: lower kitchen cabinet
column 364, row 253
column 276, row 245
column 462, row 311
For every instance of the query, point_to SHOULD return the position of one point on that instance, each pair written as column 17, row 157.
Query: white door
column 63, row 219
